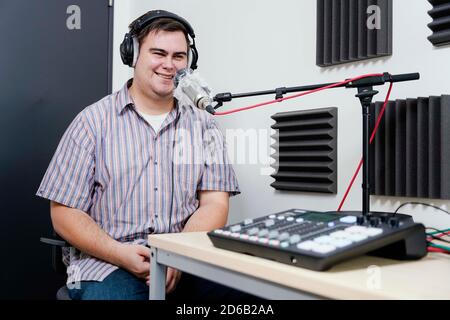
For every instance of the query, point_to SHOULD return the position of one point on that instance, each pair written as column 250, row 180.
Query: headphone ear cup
column 135, row 52
column 193, row 57
column 126, row 50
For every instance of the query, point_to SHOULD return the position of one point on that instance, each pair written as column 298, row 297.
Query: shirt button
column 156, row 215
column 156, row 188
column 156, row 162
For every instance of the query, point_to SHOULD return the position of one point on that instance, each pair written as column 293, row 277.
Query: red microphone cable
column 317, row 90
column 298, row 95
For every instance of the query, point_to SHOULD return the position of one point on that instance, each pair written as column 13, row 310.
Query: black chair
column 58, row 244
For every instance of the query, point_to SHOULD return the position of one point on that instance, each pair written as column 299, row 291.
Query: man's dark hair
column 163, row 24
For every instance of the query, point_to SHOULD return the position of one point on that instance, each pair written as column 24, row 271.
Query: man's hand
column 136, row 259
column 172, row 278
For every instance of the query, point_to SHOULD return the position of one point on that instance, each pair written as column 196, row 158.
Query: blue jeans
column 119, row 285
column 122, row 285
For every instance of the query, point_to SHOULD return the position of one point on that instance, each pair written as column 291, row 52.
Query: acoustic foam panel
column 410, row 155
column 343, row 34
column 306, row 150
column 441, row 22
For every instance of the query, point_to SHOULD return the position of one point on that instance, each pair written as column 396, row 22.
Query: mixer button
column 348, row 219
column 306, row 245
column 235, row 228
column 357, row 237
column 284, row 236
column 339, row 234
column 323, row 240
column 274, row 242
column 273, row 234
column 294, row 239
column 269, row 223
column 340, row 243
column 356, row 229
column 324, row 248
column 372, row 232
column 284, row 244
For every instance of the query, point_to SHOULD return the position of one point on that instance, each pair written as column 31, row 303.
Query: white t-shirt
column 154, row 121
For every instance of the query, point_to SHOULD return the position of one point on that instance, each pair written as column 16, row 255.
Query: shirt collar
column 125, row 100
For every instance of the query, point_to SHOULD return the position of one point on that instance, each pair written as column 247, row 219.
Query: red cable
column 442, row 234
column 298, row 95
column 317, row 90
column 432, row 249
column 372, row 136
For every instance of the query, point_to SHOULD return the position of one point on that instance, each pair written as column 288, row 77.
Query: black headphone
column 129, row 47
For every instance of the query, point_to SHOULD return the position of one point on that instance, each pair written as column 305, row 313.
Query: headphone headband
column 129, row 43
column 140, row 23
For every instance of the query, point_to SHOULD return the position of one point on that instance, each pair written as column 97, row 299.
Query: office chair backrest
column 58, row 244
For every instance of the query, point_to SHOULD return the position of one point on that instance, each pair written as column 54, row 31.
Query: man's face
column 161, row 55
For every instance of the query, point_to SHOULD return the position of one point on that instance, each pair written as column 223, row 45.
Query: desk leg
column 157, row 277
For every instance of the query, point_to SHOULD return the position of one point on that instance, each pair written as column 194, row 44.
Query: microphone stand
column 365, row 95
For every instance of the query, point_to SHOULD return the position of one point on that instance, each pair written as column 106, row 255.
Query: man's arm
column 81, row 231
column 212, row 212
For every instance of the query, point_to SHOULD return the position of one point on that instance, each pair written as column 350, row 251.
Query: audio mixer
column 319, row 240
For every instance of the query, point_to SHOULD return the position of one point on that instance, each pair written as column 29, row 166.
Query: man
column 113, row 179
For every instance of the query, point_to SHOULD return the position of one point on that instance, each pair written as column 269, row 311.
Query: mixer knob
column 360, row 220
column 385, row 217
column 374, row 221
column 394, row 222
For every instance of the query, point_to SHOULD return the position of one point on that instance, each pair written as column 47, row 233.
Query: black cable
column 438, row 230
column 424, row 204
column 437, row 238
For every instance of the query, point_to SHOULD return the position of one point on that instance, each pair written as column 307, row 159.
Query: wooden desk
column 428, row 278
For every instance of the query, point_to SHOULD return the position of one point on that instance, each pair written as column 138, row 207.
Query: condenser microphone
column 188, row 84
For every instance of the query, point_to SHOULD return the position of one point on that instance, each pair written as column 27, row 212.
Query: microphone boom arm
column 220, row 98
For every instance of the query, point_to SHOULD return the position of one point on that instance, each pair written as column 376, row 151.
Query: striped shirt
column 133, row 182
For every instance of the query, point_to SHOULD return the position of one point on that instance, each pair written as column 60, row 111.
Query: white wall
column 263, row 44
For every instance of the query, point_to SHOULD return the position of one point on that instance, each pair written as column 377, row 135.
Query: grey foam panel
column 409, row 156
column 343, row 35
column 306, row 150
column 440, row 26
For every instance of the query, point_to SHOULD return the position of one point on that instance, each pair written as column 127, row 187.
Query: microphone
column 188, row 84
